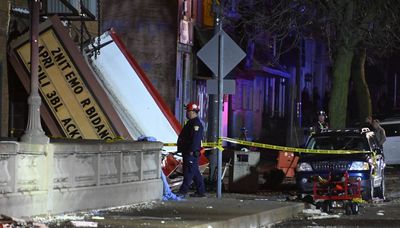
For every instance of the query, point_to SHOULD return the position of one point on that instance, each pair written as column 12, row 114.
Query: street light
column 34, row 133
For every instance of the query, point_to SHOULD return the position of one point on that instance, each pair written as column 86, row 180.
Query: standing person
column 189, row 144
column 379, row 133
column 321, row 124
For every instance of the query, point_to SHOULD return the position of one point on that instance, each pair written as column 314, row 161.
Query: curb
column 263, row 218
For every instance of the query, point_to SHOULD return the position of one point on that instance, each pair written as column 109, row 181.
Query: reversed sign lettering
column 64, row 91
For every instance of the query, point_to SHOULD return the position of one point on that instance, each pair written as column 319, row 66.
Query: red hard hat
column 192, row 107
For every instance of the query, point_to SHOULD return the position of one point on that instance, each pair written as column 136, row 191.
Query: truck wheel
column 355, row 208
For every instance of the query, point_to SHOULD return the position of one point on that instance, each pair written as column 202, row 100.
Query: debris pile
column 313, row 214
column 10, row 222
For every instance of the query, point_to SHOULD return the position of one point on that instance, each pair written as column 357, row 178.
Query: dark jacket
column 380, row 136
column 189, row 139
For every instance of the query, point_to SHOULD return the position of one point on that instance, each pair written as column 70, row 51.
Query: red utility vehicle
column 338, row 191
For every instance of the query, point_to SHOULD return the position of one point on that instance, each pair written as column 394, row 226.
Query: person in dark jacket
column 321, row 124
column 189, row 144
column 379, row 133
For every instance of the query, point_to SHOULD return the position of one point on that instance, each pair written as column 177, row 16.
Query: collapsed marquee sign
column 76, row 105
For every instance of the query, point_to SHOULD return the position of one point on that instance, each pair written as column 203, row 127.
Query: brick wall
column 4, row 18
column 148, row 29
column 14, row 100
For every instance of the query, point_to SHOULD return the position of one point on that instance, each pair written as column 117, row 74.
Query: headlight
column 358, row 165
column 304, row 166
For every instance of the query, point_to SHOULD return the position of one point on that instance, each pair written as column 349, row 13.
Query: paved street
column 243, row 210
column 231, row 211
column 383, row 214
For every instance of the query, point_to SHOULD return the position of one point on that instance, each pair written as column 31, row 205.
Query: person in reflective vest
column 321, row 124
column 189, row 144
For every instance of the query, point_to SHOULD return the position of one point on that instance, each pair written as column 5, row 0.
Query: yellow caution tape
column 291, row 149
column 273, row 147
column 210, row 144
column 203, row 144
column 169, row 144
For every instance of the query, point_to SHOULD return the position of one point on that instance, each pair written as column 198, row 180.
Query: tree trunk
column 340, row 88
column 363, row 96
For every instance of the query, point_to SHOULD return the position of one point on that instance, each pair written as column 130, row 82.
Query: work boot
column 197, row 195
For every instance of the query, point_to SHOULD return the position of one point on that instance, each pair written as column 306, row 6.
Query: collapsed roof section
column 137, row 102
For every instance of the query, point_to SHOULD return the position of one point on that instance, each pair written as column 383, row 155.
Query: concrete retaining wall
column 65, row 177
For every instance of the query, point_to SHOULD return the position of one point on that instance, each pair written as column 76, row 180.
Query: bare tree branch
column 370, row 23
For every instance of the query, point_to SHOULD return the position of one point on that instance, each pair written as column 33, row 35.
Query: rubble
column 76, row 219
column 7, row 221
column 83, row 224
column 313, row 214
column 323, row 216
column 97, row 217
column 10, row 222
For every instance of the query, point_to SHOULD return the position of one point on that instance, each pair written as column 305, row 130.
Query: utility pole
column 34, row 133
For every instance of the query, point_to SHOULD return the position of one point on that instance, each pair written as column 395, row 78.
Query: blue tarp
column 167, row 193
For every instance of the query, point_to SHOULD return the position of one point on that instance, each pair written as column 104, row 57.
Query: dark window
column 339, row 142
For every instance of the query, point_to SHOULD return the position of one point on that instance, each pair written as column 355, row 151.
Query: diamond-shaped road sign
column 232, row 53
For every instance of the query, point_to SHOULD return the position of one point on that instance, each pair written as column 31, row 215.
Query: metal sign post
column 220, row 104
column 221, row 54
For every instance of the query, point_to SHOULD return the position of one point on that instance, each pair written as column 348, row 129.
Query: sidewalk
column 233, row 210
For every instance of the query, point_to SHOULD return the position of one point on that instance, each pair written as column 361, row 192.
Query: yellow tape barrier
column 273, row 147
column 291, row 149
column 203, row 144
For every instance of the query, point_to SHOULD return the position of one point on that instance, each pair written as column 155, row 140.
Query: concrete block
column 67, row 177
